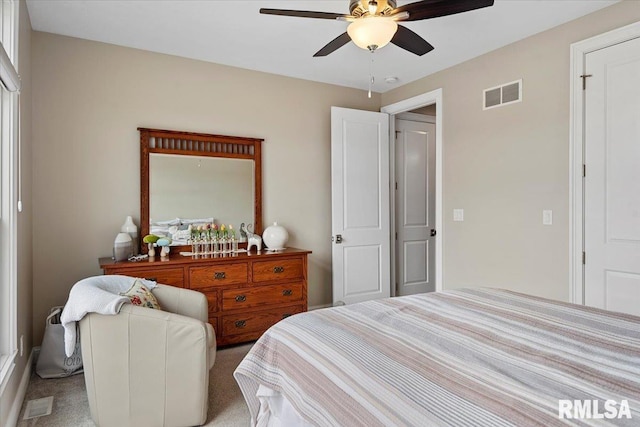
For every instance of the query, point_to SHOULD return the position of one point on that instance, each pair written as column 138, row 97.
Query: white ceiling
column 234, row 33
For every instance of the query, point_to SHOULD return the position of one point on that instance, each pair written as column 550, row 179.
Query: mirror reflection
column 187, row 190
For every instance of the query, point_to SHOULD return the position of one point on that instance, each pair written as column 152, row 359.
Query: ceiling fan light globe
column 372, row 31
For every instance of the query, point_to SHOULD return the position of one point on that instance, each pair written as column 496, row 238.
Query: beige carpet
column 70, row 408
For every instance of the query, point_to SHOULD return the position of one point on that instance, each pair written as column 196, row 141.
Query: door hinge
column 584, row 170
column 396, row 235
column 584, row 80
column 396, row 185
column 584, row 258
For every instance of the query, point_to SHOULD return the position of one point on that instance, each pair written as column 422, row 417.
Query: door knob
column 433, row 232
column 338, row 239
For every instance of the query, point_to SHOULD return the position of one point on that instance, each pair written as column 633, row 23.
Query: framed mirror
column 195, row 178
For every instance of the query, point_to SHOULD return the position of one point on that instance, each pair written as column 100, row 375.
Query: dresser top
column 177, row 259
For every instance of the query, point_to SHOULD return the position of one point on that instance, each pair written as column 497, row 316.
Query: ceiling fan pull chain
column 371, row 78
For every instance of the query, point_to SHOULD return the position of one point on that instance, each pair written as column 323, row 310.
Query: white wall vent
column 38, row 408
column 508, row 93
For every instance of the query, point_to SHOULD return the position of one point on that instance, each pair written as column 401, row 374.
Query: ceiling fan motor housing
column 361, row 7
column 373, row 22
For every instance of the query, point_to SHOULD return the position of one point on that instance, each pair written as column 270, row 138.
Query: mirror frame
column 197, row 144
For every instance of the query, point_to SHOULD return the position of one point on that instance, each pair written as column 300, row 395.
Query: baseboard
column 12, row 420
column 36, row 354
column 317, row 307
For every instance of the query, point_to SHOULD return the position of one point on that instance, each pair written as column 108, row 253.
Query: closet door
column 612, row 178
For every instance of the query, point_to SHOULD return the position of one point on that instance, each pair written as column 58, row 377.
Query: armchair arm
column 182, row 301
column 144, row 358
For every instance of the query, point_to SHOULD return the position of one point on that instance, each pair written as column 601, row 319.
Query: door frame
column 579, row 50
column 433, row 97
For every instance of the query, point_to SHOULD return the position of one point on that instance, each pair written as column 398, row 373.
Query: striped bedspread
column 472, row 357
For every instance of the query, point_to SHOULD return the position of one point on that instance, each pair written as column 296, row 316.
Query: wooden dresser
column 247, row 293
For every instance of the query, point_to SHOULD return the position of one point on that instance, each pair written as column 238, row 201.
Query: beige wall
column 504, row 166
column 90, row 97
column 25, row 292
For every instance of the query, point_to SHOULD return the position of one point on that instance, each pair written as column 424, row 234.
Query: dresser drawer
column 256, row 321
column 263, row 295
column 165, row 276
column 218, row 275
column 284, row 269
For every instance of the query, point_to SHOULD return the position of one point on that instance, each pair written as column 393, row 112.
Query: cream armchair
column 146, row 367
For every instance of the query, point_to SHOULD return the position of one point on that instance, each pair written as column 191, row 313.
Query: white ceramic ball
column 275, row 237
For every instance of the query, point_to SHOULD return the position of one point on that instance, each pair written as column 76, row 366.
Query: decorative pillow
column 140, row 295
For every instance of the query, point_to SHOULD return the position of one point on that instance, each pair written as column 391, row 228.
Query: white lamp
column 372, row 32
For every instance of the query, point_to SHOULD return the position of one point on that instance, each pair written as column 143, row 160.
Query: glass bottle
column 234, row 244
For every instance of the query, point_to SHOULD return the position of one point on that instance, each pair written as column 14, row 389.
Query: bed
column 468, row 357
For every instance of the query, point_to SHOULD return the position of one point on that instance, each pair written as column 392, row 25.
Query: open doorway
column 417, row 258
column 362, row 203
column 415, row 230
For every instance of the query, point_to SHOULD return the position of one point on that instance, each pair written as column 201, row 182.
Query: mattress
column 466, row 357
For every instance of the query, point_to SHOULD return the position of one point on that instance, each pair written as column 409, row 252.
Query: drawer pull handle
column 219, row 275
column 241, row 298
column 241, row 323
column 278, row 270
column 284, row 316
column 153, row 279
column 287, row 292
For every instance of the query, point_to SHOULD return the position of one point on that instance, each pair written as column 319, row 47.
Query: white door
column 612, row 179
column 360, row 205
column 415, row 206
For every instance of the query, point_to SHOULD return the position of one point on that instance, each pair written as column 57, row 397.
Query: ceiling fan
column 373, row 23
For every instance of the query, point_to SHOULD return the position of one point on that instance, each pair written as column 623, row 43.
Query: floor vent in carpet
column 38, row 408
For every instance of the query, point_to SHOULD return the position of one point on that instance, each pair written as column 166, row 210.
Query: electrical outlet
column 458, row 214
column 547, row 217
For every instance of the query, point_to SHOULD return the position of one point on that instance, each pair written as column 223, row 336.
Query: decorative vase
column 122, row 247
column 130, row 228
column 275, row 237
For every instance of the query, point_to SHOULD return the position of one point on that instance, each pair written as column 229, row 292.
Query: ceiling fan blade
column 410, row 41
column 426, row 9
column 334, row 45
column 302, row 13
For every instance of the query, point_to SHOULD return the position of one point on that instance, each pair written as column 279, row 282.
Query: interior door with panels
column 415, row 206
column 360, row 205
column 612, row 178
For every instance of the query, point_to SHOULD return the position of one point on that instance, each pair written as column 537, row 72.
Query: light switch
column 458, row 214
column 547, row 217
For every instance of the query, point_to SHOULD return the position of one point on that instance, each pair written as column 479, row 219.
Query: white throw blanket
column 98, row 294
